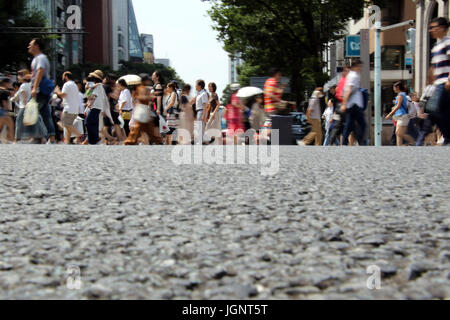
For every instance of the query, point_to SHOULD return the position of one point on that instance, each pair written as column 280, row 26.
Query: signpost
column 378, row 29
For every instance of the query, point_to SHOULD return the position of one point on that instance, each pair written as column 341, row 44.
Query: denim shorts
column 3, row 113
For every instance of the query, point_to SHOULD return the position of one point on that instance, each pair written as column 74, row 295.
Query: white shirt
column 202, row 98
column 82, row 106
column 24, row 90
column 327, row 116
column 40, row 62
column 125, row 96
column 99, row 94
column 71, row 101
column 353, row 79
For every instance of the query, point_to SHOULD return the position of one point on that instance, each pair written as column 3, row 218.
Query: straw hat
column 97, row 74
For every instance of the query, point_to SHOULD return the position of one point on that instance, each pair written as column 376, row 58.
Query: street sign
column 409, row 60
column 352, row 46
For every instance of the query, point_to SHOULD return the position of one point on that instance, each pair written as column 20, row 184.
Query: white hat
column 235, row 87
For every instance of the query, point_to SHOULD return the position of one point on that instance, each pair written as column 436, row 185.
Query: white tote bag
column 163, row 128
column 31, row 114
column 142, row 113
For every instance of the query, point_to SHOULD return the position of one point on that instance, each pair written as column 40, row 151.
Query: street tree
column 287, row 34
column 13, row 47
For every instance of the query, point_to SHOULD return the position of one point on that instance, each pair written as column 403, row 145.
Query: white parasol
column 248, row 92
column 132, row 80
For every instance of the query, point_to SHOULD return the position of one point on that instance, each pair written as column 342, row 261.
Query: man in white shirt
column 71, row 103
column 201, row 103
column 40, row 70
column 353, row 105
column 313, row 114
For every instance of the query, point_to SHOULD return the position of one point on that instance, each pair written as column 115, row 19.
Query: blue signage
column 409, row 61
column 352, row 46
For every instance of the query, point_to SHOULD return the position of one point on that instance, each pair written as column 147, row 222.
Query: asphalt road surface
column 126, row 223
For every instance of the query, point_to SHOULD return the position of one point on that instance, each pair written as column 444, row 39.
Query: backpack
column 412, row 111
column 366, row 97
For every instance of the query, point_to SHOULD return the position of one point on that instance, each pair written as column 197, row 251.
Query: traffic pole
column 377, row 85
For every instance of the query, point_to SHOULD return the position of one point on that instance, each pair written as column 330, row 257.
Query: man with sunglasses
column 439, row 104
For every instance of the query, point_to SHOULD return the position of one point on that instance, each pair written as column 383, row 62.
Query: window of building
column 392, row 58
column 393, row 12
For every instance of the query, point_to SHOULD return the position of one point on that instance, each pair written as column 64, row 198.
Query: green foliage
column 13, row 47
column 287, row 34
column 246, row 71
column 226, row 96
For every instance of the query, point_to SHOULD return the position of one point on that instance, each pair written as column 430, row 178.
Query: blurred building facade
column 68, row 48
column 147, row 43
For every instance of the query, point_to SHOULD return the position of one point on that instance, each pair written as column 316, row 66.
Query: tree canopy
column 286, row 34
column 13, row 47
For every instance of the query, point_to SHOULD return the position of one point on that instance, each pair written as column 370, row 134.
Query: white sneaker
column 301, row 143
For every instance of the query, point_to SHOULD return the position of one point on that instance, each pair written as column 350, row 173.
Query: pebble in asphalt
column 136, row 226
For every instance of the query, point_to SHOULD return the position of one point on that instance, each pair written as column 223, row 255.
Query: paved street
column 140, row 228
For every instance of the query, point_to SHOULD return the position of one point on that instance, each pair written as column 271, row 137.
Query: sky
column 182, row 32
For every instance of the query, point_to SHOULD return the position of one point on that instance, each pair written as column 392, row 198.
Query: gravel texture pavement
column 139, row 227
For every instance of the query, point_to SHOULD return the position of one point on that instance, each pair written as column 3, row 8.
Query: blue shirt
column 404, row 107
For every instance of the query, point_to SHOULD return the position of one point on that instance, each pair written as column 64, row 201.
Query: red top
column 234, row 114
column 271, row 88
column 340, row 89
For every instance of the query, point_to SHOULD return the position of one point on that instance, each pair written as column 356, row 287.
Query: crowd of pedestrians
column 105, row 109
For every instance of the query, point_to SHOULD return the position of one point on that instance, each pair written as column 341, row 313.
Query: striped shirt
column 271, row 89
column 440, row 59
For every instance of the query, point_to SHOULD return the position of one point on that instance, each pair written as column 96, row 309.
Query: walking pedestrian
column 352, row 106
column 401, row 115
column 187, row 114
column 214, row 120
column 5, row 108
column 171, row 112
column 201, row 104
column 21, row 98
column 328, row 118
column 97, row 106
column 125, row 105
column 314, row 115
column 144, row 118
column 233, row 115
column 438, row 106
column 338, row 116
column 40, row 79
column 71, row 102
column 425, row 123
column 272, row 93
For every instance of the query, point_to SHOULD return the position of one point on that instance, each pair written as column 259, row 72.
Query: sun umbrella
column 248, row 92
column 132, row 80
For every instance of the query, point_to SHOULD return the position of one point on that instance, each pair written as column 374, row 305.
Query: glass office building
column 135, row 47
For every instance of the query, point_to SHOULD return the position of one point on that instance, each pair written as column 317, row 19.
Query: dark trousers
column 338, row 129
column 425, row 128
column 92, row 126
column 45, row 112
column 439, row 109
column 354, row 114
column 126, row 127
